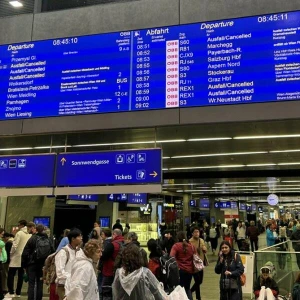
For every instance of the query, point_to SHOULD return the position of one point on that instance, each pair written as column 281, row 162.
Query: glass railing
column 282, row 260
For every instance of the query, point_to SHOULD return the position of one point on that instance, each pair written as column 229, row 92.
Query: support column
column 3, row 208
column 186, row 211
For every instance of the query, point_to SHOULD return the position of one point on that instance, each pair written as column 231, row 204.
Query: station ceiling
column 238, row 159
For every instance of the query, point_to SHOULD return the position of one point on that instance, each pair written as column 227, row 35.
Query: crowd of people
column 113, row 265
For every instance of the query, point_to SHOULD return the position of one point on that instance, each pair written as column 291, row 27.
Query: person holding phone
column 230, row 267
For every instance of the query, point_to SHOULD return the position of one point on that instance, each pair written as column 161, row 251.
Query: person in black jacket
column 8, row 240
column 230, row 267
column 168, row 242
column 33, row 264
column 118, row 225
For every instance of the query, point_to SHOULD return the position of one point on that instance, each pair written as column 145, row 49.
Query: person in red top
column 108, row 258
column 155, row 254
column 183, row 253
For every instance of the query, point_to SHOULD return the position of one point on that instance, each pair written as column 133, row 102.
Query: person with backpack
column 201, row 249
column 64, row 260
column 133, row 281
column 35, row 252
column 132, row 239
column 183, row 253
column 21, row 238
column 108, row 258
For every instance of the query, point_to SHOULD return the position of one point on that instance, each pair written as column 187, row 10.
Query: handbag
column 198, row 263
column 243, row 279
column 230, row 284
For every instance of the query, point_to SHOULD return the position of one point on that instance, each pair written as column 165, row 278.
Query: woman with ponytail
column 183, row 253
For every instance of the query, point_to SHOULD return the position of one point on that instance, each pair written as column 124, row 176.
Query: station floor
column 209, row 288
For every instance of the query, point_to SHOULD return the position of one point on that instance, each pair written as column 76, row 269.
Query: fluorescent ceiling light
column 171, row 184
column 220, row 154
column 16, row 3
column 208, row 167
column 16, row 149
column 240, row 186
column 171, row 141
column 261, row 165
column 166, row 157
column 291, row 181
column 284, row 151
column 209, row 139
column 288, row 164
column 165, row 169
column 188, row 191
column 53, row 147
column 266, row 136
column 114, row 144
column 243, row 182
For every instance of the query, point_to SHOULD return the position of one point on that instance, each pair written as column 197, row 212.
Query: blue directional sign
column 115, row 167
column 193, row 203
column 86, row 197
column 27, row 170
column 104, row 222
column 137, row 198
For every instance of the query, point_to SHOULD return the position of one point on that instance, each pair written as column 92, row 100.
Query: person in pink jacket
column 183, row 253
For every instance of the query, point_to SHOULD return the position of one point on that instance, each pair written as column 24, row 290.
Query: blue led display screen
column 204, row 203
column 115, row 167
column 42, row 220
column 246, row 60
column 27, row 170
column 137, row 198
column 85, row 197
column 104, row 221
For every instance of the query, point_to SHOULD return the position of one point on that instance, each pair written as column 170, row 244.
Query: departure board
column 245, row 60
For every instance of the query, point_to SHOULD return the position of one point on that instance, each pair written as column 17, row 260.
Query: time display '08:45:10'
column 66, row 41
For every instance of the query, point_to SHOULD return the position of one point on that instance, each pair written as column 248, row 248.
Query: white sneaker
column 8, row 295
column 17, row 296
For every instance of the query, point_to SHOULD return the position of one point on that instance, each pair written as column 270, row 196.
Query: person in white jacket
column 82, row 284
column 21, row 238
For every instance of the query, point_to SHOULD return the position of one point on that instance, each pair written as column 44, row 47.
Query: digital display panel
column 137, row 198
column 93, row 198
column 104, row 222
column 234, row 205
column 242, row 206
column 204, row 203
column 245, row 60
column 114, row 167
column 27, row 170
column 42, row 220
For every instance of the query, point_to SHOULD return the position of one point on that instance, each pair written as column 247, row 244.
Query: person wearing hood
column 34, row 266
column 82, row 284
column 295, row 238
column 96, row 234
column 133, row 281
column 96, row 226
column 265, row 287
column 21, row 238
column 230, row 266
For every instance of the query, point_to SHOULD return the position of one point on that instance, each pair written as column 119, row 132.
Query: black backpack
column 42, row 249
column 169, row 272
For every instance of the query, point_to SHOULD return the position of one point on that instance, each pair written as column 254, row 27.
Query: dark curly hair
column 131, row 259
